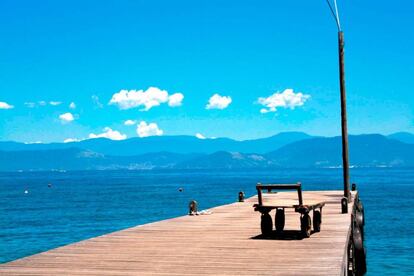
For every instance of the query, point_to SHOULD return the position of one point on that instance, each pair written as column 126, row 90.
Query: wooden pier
column 226, row 242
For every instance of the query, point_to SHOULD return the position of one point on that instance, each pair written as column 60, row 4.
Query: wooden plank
column 226, row 242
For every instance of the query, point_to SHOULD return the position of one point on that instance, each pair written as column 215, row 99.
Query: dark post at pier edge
column 345, row 158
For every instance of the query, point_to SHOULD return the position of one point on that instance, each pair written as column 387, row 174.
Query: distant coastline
column 284, row 150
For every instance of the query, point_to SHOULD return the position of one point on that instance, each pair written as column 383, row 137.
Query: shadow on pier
column 285, row 235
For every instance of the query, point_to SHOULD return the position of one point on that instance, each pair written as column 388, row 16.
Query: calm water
column 81, row 205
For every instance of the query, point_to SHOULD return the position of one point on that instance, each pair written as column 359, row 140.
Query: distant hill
column 265, row 145
column 225, row 160
column 56, row 159
column 365, row 151
column 405, row 137
column 79, row 159
column 177, row 144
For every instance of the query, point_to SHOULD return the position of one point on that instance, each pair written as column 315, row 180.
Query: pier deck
column 226, row 242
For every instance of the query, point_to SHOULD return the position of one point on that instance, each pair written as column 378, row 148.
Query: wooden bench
column 303, row 209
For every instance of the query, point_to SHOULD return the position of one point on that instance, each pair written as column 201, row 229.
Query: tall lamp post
column 344, row 127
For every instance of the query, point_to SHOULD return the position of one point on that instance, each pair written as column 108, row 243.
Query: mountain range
column 284, row 150
column 177, row 144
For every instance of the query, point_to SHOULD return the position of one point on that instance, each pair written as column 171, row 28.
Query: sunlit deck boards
column 227, row 242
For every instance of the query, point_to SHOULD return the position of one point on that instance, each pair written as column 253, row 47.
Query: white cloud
column 153, row 96
column 200, row 136
column 175, row 99
column 35, row 142
column 30, row 104
column 130, row 122
column 151, row 129
column 72, row 105
column 66, row 117
column 109, row 133
column 97, row 103
column 264, row 111
column 41, row 103
column 70, row 140
column 286, row 99
column 218, row 102
column 4, row 105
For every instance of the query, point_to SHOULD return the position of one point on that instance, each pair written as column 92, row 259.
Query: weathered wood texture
column 226, row 242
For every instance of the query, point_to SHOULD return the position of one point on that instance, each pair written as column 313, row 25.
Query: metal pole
column 345, row 158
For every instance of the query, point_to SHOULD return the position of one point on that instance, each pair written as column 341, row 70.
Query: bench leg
column 266, row 224
column 305, row 225
column 280, row 220
column 317, row 220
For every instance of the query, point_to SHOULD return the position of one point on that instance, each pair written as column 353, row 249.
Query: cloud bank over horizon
column 146, row 100
column 109, row 133
column 200, row 136
column 71, row 140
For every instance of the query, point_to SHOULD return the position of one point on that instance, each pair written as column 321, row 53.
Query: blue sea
column 84, row 204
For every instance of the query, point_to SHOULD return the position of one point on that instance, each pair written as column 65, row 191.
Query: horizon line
column 207, row 138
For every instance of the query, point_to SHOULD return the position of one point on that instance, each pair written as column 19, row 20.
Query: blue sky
column 86, row 52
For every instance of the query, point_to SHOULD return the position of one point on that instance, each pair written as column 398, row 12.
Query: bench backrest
column 271, row 187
